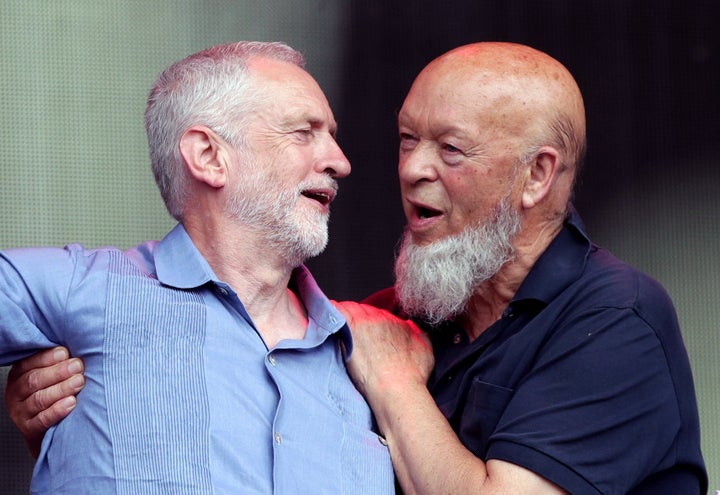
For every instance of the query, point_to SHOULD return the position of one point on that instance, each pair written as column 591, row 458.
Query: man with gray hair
column 213, row 361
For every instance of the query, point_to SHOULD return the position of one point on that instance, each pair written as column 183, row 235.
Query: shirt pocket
column 483, row 408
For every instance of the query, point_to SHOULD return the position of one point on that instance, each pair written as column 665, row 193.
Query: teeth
column 320, row 197
column 425, row 213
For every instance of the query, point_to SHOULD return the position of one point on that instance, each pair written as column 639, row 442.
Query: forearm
column 390, row 365
column 427, row 454
column 430, row 459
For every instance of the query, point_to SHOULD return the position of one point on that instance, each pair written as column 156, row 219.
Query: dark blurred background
column 648, row 71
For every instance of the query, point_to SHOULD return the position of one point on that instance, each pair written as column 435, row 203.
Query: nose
column 334, row 162
column 417, row 164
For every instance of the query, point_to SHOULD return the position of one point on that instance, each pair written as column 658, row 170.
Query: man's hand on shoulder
column 387, row 351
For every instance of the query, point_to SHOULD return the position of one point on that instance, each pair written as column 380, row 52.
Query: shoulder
column 594, row 275
column 71, row 260
column 611, row 282
column 44, row 259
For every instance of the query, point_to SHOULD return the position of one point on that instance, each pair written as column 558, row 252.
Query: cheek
column 296, row 165
column 471, row 199
column 464, row 189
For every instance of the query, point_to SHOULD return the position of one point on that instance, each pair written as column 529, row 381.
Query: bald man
column 548, row 365
column 556, row 367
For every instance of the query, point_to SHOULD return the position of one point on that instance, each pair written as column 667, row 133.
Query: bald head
column 490, row 138
column 531, row 96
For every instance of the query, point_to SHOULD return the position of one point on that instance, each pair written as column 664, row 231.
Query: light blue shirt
column 182, row 396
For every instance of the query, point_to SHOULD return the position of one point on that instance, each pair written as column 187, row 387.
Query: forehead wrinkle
column 292, row 89
column 465, row 112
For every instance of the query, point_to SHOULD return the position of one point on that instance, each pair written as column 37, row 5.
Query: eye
column 407, row 141
column 303, row 134
column 450, row 148
column 451, row 154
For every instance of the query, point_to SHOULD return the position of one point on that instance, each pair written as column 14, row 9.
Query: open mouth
column 424, row 212
column 322, row 196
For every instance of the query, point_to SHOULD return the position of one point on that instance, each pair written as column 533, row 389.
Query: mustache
column 318, row 184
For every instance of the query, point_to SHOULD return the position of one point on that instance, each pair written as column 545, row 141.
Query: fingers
column 46, row 418
column 47, row 391
column 359, row 312
column 33, row 428
column 33, row 418
column 387, row 350
column 35, row 378
column 41, row 359
column 344, row 308
column 41, row 391
column 353, row 310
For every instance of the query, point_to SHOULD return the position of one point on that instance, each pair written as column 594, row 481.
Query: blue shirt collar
column 178, row 250
column 320, row 310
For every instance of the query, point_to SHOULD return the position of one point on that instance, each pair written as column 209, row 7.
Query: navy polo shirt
column 584, row 380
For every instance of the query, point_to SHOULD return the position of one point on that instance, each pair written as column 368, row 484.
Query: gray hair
column 212, row 88
column 563, row 134
column 560, row 133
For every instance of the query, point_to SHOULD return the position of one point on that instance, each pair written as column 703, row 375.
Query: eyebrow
column 436, row 129
column 319, row 122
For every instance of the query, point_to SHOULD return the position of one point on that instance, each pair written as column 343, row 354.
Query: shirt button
column 333, row 319
column 457, row 338
column 278, row 438
column 272, row 360
column 223, row 291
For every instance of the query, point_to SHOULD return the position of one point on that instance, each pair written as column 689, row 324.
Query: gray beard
column 297, row 235
column 435, row 282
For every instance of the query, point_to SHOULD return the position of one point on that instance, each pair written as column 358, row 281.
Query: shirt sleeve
column 600, row 387
column 34, row 284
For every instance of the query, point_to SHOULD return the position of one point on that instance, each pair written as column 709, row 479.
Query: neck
column 241, row 258
column 492, row 298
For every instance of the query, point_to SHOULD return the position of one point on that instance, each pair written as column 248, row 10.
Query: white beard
column 294, row 231
column 435, row 282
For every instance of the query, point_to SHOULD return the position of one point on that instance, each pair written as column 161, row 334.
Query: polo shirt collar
column 560, row 265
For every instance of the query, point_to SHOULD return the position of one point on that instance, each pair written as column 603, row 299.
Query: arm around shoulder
column 41, row 392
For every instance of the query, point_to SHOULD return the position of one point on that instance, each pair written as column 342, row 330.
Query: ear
column 541, row 175
column 205, row 154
